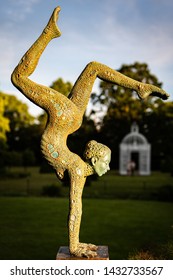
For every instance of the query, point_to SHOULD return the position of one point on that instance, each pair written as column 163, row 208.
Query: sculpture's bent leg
column 75, row 213
column 29, row 61
column 83, row 87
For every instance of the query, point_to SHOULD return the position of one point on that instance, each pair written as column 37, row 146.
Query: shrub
column 166, row 251
column 142, row 255
column 157, row 252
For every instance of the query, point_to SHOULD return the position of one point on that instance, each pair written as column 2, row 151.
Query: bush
column 142, row 255
column 167, row 251
column 157, row 252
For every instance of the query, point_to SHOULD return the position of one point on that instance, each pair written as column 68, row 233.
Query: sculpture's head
column 99, row 156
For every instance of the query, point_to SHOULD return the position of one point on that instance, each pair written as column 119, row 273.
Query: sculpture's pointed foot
column 52, row 27
column 145, row 90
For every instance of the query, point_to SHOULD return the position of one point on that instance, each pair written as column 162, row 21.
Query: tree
column 18, row 117
column 122, row 103
column 4, row 121
column 14, row 117
column 158, row 126
column 122, row 107
column 61, row 86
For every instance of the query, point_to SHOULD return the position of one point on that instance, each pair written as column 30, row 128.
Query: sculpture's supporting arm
column 74, row 220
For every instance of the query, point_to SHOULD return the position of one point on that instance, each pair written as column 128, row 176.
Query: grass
column 35, row 227
column 110, row 185
column 31, row 185
column 133, row 187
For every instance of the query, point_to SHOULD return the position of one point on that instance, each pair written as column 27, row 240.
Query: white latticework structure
column 135, row 148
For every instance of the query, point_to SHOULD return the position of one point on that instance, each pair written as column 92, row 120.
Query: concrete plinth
column 64, row 254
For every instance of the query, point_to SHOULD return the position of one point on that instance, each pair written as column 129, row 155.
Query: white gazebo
column 135, row 148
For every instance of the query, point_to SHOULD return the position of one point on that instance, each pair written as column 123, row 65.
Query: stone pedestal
column 64, row 254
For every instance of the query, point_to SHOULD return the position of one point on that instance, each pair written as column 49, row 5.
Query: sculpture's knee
column 15, row 78
column 92, row 65
column 19, row 80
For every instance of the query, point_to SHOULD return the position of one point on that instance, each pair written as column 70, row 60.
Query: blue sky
column 113, row 32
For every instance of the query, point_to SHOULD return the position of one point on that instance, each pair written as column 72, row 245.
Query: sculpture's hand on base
column 85, row 250
column 84, row 253
column 145, row 90
column 88, row 246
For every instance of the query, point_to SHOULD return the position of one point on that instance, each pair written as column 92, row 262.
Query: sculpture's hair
column 95, row 149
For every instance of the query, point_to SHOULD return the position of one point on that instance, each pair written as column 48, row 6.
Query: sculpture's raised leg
column 35, row 92
column 82, row 89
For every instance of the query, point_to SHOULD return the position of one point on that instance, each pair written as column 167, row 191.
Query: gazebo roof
column 134, row 137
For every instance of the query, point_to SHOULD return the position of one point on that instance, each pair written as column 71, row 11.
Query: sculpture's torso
column 63, row 119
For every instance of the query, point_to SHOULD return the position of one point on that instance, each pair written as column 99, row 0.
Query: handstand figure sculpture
column 64, row 117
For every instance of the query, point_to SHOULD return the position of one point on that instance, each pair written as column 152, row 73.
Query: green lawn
column 34, row 227
column 110, row 185
column 31, row 185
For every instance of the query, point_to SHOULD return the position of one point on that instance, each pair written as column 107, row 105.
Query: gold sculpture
column 64, row 117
